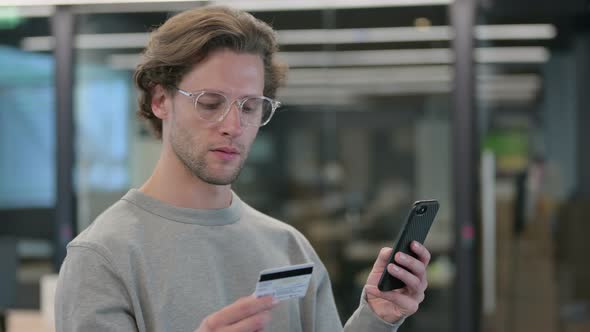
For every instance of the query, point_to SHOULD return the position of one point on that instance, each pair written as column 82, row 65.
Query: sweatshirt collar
column 204, row 217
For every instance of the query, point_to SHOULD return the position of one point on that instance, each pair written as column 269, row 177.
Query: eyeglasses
column 214, row 106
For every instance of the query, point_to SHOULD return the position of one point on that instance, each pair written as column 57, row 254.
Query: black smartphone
column 418, row 222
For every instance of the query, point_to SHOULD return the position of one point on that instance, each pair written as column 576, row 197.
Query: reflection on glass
column 102, row 119
column 27, row 143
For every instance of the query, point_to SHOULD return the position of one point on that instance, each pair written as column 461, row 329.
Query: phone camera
column 422, row 210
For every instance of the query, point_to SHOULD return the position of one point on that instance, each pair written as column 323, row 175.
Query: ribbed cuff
column 365, row 319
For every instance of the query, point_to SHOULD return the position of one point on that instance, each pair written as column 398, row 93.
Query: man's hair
column 188, row 38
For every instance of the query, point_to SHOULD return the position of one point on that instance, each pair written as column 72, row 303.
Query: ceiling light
column 78, row 2
column 317, row 36
column 528, row 54
column 90, row 41
column 412, row 57
column 433, row 56
column 366, row 35
column 367, row 58
column 356, row 76
column 515, row 31
column 33, row 11
column 254, row 5
column 274, row 5
column 413, row 34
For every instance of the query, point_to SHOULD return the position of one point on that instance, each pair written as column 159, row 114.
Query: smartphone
column 418, row 222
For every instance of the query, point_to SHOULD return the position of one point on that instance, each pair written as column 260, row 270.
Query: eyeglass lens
column 253, row 111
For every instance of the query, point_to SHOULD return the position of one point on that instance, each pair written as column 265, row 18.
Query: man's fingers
column 421, row 251
column 253, row 323
column 382, row 259
column 239, row 310
column 412, row 264
column 412, row 282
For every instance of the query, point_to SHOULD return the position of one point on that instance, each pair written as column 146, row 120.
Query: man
column 183, row 252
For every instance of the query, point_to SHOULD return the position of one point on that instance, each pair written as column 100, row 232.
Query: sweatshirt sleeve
column 90, row 295
column 364, row 319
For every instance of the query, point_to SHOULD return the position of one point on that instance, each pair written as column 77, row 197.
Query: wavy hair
column 186, row 39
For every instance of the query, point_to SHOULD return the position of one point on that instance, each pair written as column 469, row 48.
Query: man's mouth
column 226, row 153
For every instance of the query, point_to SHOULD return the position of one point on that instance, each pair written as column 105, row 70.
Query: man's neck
column 172, row 183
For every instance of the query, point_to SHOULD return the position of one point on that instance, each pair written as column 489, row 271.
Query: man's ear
column 161, row 102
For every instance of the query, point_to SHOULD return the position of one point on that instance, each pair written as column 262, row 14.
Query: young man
column 183, row 252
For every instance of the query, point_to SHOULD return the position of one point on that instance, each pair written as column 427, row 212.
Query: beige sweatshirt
column 144, row 265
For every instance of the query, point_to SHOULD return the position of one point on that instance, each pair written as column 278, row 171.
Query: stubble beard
column 196, row 163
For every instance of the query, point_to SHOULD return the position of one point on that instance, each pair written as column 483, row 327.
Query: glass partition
column 26, row 112
column 27, row 155
column 533, row 125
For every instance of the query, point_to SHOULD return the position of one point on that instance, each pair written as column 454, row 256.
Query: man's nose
column 231, row 124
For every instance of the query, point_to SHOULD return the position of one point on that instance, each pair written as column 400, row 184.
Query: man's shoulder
column 271, row 226
column 114, row 225
column 266, row 222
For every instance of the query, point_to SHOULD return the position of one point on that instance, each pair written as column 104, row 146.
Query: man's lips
column 226, row 153
column 228, row 150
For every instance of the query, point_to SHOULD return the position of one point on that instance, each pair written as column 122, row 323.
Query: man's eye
column 251, row 106
column 247, row 109
column 209, row 106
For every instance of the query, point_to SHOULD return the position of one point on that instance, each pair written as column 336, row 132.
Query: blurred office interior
column 483, row 105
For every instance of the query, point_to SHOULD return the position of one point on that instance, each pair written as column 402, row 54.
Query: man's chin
column 219, row 182
column 218, row 179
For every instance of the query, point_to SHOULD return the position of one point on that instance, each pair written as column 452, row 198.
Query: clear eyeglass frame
column 240, row 103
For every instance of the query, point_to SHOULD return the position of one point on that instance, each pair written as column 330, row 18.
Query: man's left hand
column 399, row 303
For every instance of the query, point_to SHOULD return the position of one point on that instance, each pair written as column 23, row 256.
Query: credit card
column 284, row 282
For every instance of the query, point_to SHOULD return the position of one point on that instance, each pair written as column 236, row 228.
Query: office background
column 482, row 105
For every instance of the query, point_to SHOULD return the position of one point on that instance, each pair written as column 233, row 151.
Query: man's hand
column 399, row 303
column 248, row 314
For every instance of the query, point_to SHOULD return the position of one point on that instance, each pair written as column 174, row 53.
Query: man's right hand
column 247, row 314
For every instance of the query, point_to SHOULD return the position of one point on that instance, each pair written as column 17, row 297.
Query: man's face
column 216, row 152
